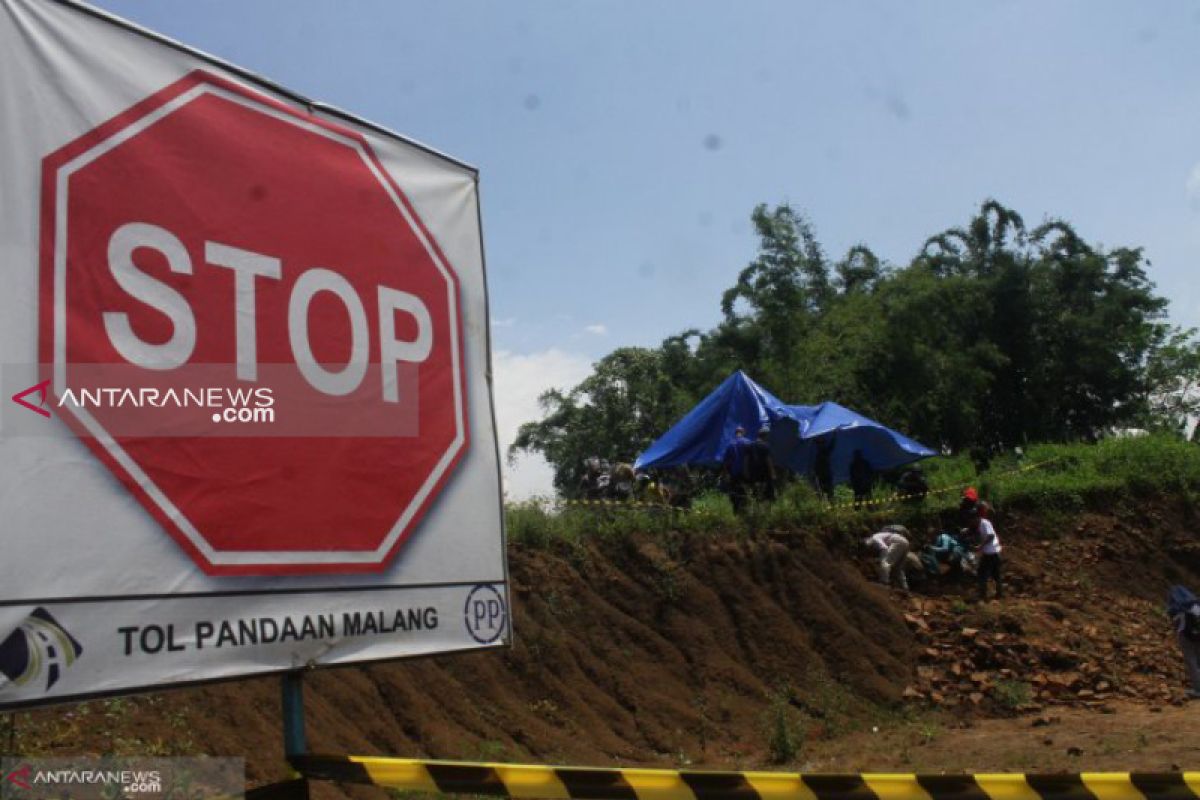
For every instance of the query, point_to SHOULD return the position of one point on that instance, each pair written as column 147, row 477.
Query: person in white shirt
column 891, row 546
column 989, row 553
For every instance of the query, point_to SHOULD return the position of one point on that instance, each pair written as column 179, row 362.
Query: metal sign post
column 294, row 741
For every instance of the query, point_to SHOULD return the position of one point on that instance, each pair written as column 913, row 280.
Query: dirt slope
column 696, row 650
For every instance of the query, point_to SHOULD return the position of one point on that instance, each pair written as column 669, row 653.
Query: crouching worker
column 946, row 549
column 891, row 547
column 1184, row 609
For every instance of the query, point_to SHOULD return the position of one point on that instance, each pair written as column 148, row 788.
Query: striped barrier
column 856, row 505
column 621, row 504
column 895, row 498
column 595, row 783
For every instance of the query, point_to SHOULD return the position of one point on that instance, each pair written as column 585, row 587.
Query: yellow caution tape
column 621, row 504
column 859, row 505
column 596, row 783
column 942, row 490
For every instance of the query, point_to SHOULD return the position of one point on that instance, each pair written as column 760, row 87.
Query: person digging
column 988, row 548
column 891, row 547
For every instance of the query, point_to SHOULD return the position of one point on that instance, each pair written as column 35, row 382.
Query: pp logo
column 485, row 614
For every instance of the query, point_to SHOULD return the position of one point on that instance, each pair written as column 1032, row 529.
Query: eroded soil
column 773, row 651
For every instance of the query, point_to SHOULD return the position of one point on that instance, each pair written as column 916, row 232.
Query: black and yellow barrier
column 594, row 783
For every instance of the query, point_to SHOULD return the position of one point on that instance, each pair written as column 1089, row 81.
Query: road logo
column 39, row 646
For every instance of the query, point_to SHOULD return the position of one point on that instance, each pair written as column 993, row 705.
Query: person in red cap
column 968, row 504
column 988, row 548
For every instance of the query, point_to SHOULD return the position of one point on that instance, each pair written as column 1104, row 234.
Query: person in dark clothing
column 589, row 480
column 760, row 467
column 862, row 477
column 912, row 484
column 968, row 504
column 823, row 467
column 1183, row 607
column 734, row 461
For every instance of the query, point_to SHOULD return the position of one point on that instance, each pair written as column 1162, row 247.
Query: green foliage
column 1077, row 475
column 1058, row 480
column 991, row 337
column 1173, row 382
column 785, row 731
column 627, row 401
column 532, row 524
column 1013, row 694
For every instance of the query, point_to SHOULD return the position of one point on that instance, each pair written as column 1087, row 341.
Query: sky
column 622, row 145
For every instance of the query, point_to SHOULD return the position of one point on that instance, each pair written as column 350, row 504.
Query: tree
column 777, row 296
column 1095, row 322
column 1172, row 400
column 991, row 337
column 614, row 414
column 859, row 271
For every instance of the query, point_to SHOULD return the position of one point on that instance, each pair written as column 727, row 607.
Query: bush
column 1013, row 694
column 1074, row 476
column 784, row 733
column 1052, row 478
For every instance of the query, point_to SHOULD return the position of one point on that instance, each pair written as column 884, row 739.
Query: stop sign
column 211, row 250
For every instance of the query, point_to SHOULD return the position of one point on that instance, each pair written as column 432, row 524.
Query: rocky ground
column 1066, row 634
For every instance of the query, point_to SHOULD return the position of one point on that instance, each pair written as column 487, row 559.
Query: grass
column 101, row 723
column 1013, row 694
column 1058, row 479
column 1075, row 476
column 785, row 732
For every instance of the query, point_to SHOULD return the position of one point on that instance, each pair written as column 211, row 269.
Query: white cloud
column 507, row 322
column 519, row 380
column 1193, row 187
column 598, row 329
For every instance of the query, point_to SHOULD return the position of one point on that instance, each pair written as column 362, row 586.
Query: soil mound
column 721, row 651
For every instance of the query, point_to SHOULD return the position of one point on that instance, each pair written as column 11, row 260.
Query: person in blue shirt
column 1183, row 608
column 945, row 549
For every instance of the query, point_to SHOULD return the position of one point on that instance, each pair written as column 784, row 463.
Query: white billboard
column 247, row 422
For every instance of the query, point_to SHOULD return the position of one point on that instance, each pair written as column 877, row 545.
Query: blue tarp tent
column 700, row 438
column 797, row 436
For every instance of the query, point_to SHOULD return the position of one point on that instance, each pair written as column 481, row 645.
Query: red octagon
column 210, row 236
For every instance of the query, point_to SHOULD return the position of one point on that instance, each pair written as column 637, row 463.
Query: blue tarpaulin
column 700, row 438
column 796, row 438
